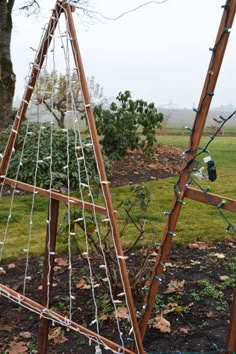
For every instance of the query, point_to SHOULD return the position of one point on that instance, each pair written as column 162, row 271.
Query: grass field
column 197, row 221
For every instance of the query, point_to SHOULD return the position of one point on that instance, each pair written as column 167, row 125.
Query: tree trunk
column 7, row 76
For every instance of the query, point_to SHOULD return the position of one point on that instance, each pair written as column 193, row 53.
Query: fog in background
column 159, row 52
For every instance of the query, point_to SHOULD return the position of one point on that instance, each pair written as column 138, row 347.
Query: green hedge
column 34, row 133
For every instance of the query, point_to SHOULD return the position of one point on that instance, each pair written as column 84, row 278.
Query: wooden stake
column 50, row 248
column 231, row 341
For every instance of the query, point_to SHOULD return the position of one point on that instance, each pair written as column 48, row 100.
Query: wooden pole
column 210, row 199
column 36, row 67
column 49, row 256
column 56, row 195
column 101, row 168
column 231, row 341
column 54, row 316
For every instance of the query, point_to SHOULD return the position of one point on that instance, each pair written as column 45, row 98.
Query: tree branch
column 89, row 11
column 51, row 111
column 31, row 7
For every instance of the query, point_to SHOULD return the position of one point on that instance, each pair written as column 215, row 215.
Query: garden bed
column 194, row 299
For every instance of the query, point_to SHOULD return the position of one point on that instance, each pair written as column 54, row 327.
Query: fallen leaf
column 162, row 324
column 170, row 265
column 200, row 245
column 170, row 308
column 17, row 347
column 82, row 284
column 25, row 335
column 6, row 328
column 11, row 266
column 195, row 262
column 2, row 272
column 56, row 335
column 231, row 244
column 174, row 307
column 219, row 255
column 121, row 312
column 153, row 254
column 184, row 330
column 175, row 286
column 105, row 317
column 60, row 339
column 224, row 277
column 61, row 262
column 211, row 314
column 56, row 268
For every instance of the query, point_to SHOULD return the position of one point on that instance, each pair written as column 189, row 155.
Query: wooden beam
column 56, row 317
column 210, row 198
column 55, row 195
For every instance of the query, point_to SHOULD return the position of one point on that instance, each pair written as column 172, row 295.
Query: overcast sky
column 160, row 52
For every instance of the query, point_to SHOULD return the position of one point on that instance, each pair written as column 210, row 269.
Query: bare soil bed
column 194, row 299
column 135, row 167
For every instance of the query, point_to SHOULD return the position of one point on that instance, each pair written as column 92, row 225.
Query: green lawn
column 197, row 221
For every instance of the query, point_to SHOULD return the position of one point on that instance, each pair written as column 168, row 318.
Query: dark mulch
column 198, row 312
column 136, row 167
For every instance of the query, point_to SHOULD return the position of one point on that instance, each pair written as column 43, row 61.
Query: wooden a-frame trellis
column 182, row 190
column 63, row 6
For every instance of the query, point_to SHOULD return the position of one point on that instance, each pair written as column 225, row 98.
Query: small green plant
column 105, row 308
column 232, row 265
column 231, row 282
column 210, row 290
column 159, row 303
column 33, row 348
column 195, row 296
